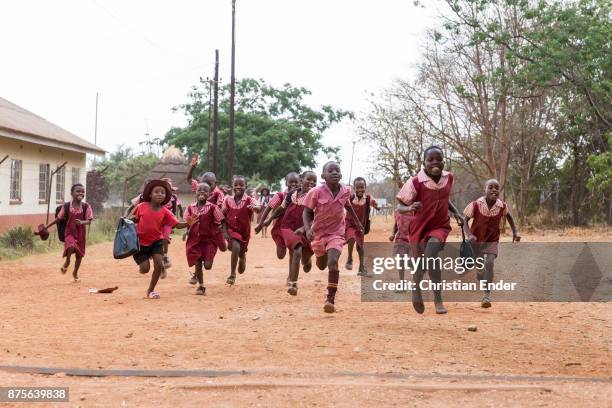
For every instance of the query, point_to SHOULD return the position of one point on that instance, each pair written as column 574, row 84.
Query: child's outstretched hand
column 192, row 219
column 516, row 237
column 194, row 160
column 78, row 222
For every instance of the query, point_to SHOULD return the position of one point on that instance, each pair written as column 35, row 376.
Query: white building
column 32, row 148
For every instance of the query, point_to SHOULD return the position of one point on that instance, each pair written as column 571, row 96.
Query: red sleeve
column 169, row 218
column 311, row 199
column 61, row 214
column 469, row 210
column 138, row 211
column 408, row 193
column 220, row 197
column 89, row 214
column 218, row 215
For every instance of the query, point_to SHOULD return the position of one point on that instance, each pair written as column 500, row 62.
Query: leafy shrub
column 18, row 238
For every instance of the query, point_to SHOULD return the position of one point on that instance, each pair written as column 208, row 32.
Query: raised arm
column 194, row 163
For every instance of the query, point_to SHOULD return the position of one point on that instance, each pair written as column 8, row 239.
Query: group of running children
column 308, row 219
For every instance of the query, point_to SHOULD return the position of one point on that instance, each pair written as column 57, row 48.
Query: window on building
column 60, row 185
column 15, row 194
column 76, row 175
column 43, row 182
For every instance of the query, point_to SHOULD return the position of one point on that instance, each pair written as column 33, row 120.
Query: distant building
column 35, row 147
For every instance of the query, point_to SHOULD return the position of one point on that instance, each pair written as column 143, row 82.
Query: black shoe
column 486, row 301
column 193, row 280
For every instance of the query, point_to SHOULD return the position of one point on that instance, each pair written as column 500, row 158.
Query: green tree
column 123, row 165
column 276, row 131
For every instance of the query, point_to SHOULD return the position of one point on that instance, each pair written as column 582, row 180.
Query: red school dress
column 360, row 205
column 276, row 201
column 238, row 218
column 432, row 220
column 485, row 224
column 205, row 236
column 293, row 220
column 75, row 236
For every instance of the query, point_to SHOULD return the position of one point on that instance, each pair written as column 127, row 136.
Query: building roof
column 21, row 124
column 174, row 165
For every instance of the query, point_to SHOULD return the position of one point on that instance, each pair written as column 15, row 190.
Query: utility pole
column 351, row 170
column 216, row 116
column 210, row 85
column 231, row 144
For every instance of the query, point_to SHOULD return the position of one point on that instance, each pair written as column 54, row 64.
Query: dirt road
column 291, row 352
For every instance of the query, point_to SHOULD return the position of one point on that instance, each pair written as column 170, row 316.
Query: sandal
column 231, row 280
column 153, row 295
column 292, row 290
column 64, row 269
column 201, row 290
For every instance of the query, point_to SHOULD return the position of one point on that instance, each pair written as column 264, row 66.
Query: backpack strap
column 67, row 210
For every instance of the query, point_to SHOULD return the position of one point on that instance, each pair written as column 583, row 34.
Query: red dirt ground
column 292, row 351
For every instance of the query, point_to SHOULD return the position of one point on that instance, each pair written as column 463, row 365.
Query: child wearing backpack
column 71, row 219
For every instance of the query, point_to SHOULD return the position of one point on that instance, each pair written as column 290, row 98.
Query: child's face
column 158, row 195
column 78, row 193
column 309, row 181
column 239, row 186
column 434, row 162
column 292, row 182
column 360, row 188
column 492, row 190
column 202, row 193
column 210, row 180
column 332, row 174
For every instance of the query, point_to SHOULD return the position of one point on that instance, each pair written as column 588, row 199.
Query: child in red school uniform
column 324, row 215
column 292, row 181
column 238, row 210
column 206, row 223
column 426, row 196
column 75, row 214
column 291, row 215
column 361, row 203
column 264, row 201
column 216, row 195
column 151, row 216
column 487, row 213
